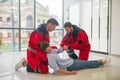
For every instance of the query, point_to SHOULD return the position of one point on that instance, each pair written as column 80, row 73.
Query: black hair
column 67, row 24
column 43, row 46
column 53, row 21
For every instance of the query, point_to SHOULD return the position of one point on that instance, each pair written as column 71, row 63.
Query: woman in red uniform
column 36, row 59
column 77, row 39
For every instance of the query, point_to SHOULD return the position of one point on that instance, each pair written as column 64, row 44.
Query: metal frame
column 19, row 24
column 110, row 23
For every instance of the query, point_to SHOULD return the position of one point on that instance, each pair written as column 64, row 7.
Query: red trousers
column 84, row 55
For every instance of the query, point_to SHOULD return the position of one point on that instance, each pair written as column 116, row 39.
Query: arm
column 57, row 50
column 52, row 61
column 62, row 71
column 82, row 39
column 60, row 50
column 64, row 41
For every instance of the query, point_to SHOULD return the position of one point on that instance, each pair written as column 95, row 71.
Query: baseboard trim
column 99, row 52
column 114, row 55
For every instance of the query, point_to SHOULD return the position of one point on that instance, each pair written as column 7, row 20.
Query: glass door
column 103, row 25
column 95, row 26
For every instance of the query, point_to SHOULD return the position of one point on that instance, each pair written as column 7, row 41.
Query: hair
column 43, row 46
column 53, row 21
column 67, row 24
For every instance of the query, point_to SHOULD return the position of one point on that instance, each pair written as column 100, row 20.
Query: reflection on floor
column 8, row 61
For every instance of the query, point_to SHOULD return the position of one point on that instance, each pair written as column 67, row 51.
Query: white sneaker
column 19, row 64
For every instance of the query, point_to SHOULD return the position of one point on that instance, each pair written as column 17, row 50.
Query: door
column 95, row 26
column 103, row 25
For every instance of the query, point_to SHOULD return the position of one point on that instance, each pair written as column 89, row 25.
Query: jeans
column 80, row 64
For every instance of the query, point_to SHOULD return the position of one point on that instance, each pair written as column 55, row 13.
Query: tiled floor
column 8, row 61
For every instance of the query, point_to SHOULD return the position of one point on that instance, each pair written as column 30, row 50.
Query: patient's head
column 45, row 47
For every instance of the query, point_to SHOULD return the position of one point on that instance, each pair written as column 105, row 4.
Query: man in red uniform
column 77, row 39
column 36, row 59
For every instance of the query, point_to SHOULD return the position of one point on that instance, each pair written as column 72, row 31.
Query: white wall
column 115, row 27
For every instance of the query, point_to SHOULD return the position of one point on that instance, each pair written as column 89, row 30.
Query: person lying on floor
column 59, row 65
column 67, row 66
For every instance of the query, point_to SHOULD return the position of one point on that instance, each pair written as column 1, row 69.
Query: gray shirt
column 55, row 62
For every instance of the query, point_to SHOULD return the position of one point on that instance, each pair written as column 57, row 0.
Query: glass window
column 42, row 13
column 12, row 32
column 27, row 13
column 56, row 37
column 9, row 13
column 25, row 35
column 8, row 19
column 9, row 24
column 29, row 21
column 47, row 9
column 9, row 40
